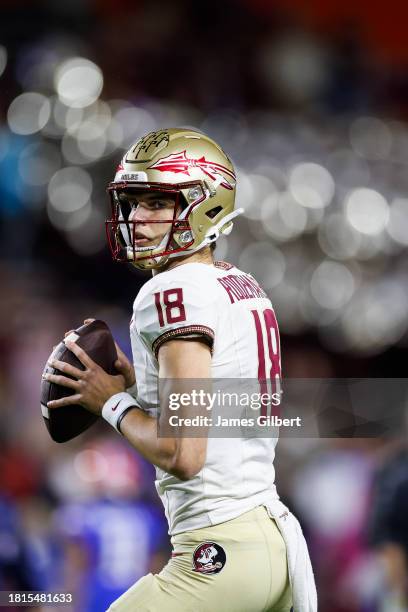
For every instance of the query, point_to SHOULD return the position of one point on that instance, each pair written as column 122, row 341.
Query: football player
column 235, row 546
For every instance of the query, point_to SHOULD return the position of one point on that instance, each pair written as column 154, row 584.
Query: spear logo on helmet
column 179, row 162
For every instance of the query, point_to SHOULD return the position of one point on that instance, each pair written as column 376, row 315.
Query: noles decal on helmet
column 209, row 558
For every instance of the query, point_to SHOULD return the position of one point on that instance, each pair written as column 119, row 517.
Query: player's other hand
column 122, row 364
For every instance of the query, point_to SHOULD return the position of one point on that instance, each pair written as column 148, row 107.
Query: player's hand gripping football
column 92, row 386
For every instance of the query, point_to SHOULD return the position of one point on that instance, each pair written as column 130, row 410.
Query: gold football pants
column 237, row 566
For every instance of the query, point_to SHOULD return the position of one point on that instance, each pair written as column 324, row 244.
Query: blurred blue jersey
column 26, row 563
column 116, row 541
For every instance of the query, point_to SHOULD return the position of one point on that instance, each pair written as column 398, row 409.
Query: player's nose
column 138, row 214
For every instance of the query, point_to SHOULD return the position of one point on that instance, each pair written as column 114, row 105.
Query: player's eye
column 150, row 204
column 157, row 204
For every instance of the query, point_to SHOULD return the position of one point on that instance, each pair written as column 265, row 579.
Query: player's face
column 147, row 207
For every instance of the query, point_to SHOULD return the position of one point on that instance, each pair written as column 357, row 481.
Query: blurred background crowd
column 310, row 99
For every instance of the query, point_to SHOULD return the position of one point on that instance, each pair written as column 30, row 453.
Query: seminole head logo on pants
column 209, row 558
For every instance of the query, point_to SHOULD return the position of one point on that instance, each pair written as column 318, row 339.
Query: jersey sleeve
column 176, row 310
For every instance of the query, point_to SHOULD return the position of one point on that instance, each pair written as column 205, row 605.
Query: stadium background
column 310, row 100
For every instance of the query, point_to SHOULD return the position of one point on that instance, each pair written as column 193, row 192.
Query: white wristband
column 115, row 406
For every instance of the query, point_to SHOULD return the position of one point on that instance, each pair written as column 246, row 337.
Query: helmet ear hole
column 213, row 212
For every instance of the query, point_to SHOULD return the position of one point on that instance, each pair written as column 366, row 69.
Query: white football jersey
column 227, row 309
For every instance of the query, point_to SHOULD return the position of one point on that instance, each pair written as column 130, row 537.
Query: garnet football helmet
column 187, row 166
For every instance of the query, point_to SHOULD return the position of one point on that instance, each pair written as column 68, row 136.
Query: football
column 67, row 422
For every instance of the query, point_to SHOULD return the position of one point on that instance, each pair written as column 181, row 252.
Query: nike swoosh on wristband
column 114, row 408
